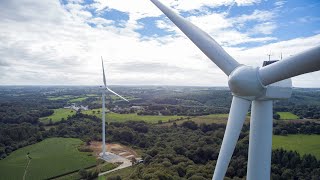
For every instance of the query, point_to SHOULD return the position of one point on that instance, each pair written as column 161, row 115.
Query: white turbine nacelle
column 277, row 91
column 258, row 86
column 245, row 82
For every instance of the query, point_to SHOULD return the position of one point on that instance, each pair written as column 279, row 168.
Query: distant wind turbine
column 105, row 88
column 248, row 84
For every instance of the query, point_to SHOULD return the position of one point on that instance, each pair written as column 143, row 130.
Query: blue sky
column 290, row 19
column 61, row 41
column 293, row 18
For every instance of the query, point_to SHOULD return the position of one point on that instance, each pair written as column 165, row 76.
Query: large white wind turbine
column 259, row 85
column 105, row 88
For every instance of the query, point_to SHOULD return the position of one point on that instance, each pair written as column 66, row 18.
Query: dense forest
column 184, row 151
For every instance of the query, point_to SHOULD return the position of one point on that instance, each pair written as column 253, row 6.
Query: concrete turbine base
column 111, row 157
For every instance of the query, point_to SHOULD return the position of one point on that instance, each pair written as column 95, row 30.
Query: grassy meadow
column 303, row 144
column 51, row 157
column 116, row 98
column 71, row 98
column 208, row 119
column 287, row 116
column 55, row 98
column 58, row 115
column 79, row 99
column 122, row 173
column 115, row 117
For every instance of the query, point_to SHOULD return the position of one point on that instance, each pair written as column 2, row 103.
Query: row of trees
column 15, row 136
column 15, row 113
column 283, row 128
column 167, row 110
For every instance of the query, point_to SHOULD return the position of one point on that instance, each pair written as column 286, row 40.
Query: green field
column 92, row 95
column 287, row 115
column 303, row 144
column 53, row 98
column 72, row 99
column 123, row 173
column 115, row 117
column 58, row 115
column 208, row 119
column 79, row 99
column 100, row 168
column 51, row 157
column 116, row 98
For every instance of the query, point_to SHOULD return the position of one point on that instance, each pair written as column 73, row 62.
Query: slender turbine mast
column 248, row 84
column 105, row 88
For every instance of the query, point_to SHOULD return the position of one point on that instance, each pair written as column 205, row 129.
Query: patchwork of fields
column 70, row 98
column 115, row 117
column 51, row 157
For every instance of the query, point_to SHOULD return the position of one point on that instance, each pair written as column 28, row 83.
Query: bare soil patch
column 117, row 149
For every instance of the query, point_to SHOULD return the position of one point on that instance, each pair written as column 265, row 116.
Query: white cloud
column 144, row 8
column 264, row 28
column 279, row 3
column 257, row 15
column 59, row 47
column 225, row 30
column 247, row 2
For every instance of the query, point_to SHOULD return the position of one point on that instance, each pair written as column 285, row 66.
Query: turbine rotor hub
column 244, row 81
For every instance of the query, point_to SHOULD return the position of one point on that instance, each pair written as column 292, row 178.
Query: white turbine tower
column 259, row 85
column 105, row 88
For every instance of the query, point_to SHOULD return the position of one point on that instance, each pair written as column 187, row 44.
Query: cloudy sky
column 52, row 42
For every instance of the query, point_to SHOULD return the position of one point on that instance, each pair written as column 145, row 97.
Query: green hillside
column 51, row 157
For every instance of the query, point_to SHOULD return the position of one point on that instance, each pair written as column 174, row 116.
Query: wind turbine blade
column 237, row 116
column 104, row 76
column 201, row 39
column 308, row 61
column 117, row 94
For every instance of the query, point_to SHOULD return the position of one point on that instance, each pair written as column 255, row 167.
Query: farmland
column 51, row 157
column 207, row 119
column 116, row 98
column 55, row 98
column 122, row 173
column 58, row 115
column 79, row 99
column 115, row 117
column 70, row 98
column 287, row 116
column 303, row 144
